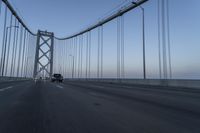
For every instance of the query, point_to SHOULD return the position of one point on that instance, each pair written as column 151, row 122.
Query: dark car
column 57, row 77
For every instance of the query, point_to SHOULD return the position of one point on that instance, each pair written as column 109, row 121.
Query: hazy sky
column 65, row 17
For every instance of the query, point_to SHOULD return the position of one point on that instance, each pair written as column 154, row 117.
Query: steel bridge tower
column 44, row 54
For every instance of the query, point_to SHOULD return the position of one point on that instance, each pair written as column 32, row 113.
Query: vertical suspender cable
column 79, row 56
column 58, row 56
column 15, row 53
column 33, row 42
column 102, row 51
column 118, row 47
column 159, row 40
column 69, row 57
column 81, row 73
column 69, row 50
column 98, row 53
column 26, row 57
column 64, row 53
column 20, row 45
column 3, row 42
column 64, row 60
column 62, row 57
column 7, row 49
column 168, row 39
column 89, row 65
column 54, row 57
column 29, row 60
column 87, row 40
column 72, row 56
column 122, row 47
column 75, row 58
column 164, row 40
column 68, row 60
column 23, row 54
column 65, row 47
column 0, row 6
column 143, row 41
column 13, row 49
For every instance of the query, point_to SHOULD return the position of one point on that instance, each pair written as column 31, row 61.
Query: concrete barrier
column 11, row 79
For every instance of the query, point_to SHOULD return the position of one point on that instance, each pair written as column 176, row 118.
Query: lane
column 179, row 109
column 171, row 99
column 172, row 117
column 19, row 108
column 163, row 89
column 45, row 107
column 11, row 91
column 5, row 84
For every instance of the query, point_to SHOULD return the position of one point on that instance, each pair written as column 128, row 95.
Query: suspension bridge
column 104, row 88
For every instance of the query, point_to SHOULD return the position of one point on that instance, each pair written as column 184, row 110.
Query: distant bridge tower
column 44, row 54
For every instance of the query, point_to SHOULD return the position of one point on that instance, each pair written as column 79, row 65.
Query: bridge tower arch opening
column 43, row 66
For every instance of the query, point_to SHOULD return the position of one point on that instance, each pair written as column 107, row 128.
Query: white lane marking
column 59, row 86
column 3, row 89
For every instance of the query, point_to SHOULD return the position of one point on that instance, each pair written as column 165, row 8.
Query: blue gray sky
column 65, row 17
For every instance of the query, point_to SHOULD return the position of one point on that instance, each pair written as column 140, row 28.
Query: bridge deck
column 91, row 107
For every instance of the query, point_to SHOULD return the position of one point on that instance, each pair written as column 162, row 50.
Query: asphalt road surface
column 92, row 107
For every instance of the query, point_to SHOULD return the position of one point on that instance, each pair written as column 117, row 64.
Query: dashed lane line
column 59, row 86
column 3, row 89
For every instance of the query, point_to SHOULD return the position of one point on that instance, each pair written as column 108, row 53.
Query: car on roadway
column 57, row 78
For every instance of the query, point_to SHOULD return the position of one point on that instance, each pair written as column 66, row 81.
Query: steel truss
column 44, row 38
